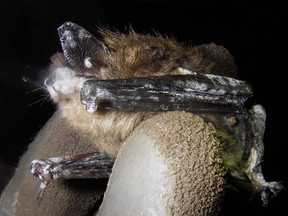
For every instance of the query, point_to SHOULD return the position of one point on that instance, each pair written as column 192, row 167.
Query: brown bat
column 107, row 87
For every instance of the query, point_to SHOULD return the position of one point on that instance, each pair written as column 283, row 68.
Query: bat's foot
column 260, row 186
column 265, row 189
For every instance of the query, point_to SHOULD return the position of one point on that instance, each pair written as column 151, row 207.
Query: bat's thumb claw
column 41, row 190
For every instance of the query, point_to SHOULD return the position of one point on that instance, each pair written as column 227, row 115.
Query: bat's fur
column 132, row 55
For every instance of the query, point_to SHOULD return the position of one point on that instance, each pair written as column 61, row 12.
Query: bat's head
column 116, row 55
column 108, row 56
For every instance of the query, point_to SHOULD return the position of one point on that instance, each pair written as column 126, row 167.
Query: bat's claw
column 41, row 170
column 41, row 190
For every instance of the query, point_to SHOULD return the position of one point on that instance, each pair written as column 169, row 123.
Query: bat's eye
column 155, row 52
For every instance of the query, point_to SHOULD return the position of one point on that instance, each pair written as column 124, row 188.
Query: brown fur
column 136, row 55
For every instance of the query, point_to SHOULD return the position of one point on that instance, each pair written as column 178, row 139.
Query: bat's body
column 121, row 56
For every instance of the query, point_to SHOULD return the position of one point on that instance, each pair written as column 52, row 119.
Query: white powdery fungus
column 87, row 62
column 66, row 82
column 69, row 39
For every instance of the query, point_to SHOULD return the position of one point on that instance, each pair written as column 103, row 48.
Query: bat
column 107, row 86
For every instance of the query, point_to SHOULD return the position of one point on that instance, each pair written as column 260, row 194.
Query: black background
column 252, row 31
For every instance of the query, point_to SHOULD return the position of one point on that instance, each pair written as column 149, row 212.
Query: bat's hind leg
column 256, row 123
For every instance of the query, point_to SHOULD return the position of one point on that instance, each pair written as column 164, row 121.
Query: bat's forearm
column 193, row 92
column 83, row 166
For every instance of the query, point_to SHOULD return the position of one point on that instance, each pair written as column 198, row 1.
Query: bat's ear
column 81, row 49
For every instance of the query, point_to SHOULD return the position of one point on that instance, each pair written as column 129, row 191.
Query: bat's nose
column 49, row 81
